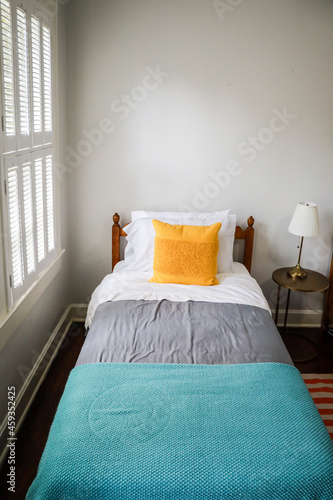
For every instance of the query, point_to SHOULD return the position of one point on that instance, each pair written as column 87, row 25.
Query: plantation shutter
column 28, row 159
column 49, row 203
column 47, row 90
column 15, row 228
column 30, row 200
column 23, row 78
column 9, row 122
column 28, row 211
column 39, row 209
column 36, row 80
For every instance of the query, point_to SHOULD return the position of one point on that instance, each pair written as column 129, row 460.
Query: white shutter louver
column 15, row 230
column 36, row 75
column 47, row 79
column 8, row 72
column 39, row 197
column 29, row 237
column 49, row 203
column 23, row 72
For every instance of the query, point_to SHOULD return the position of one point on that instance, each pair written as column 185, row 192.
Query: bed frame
column 240, row 234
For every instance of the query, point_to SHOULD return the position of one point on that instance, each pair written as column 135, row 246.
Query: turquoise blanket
column 168, row 431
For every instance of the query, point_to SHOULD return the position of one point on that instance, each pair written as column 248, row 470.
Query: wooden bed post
column 117, row 231
column 115, row 240
column 248, row 244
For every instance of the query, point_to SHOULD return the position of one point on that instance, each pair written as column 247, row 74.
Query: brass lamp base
column 297, row 272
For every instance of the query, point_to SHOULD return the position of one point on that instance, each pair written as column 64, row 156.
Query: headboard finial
column 116, row 220
column 250, row 222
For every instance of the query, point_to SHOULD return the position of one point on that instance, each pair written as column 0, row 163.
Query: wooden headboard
column 240, row 234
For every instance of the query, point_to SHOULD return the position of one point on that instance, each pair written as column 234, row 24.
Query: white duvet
column 236, row 288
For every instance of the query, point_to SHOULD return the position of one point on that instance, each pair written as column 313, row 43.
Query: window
column 27, row 163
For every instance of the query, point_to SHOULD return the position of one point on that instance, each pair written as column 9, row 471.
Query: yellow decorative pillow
column 185, row 254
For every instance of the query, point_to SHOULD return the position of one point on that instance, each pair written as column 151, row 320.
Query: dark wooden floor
column 34, row 431
column 300, row 349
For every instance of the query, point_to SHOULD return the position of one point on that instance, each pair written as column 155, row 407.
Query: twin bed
column 184, row 391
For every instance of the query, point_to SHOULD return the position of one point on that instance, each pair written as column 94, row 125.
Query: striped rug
column 321, row 389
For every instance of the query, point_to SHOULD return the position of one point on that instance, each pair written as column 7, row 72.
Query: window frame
column 27, row 150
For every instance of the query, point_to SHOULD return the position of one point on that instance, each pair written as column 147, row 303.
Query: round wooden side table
column 314, row 282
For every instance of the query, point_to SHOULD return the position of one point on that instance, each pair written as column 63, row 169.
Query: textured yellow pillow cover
column 185, row 254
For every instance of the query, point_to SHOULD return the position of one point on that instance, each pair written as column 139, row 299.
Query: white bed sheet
column 235, row 288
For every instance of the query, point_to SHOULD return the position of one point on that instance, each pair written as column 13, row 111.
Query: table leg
column 324, row 317
column 277, row 304
column 286, row 313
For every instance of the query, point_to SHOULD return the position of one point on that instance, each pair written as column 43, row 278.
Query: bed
column 184, row 391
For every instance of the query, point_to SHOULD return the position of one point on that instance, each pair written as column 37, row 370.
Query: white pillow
column 141, row 214
column 141, row 236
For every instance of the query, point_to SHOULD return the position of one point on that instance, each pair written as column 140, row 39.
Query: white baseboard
column 74, row 312
column 300, row 318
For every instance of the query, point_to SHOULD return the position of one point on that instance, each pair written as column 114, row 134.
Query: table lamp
column 305, row 223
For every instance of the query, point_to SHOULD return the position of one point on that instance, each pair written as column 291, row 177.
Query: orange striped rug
column 321, row 389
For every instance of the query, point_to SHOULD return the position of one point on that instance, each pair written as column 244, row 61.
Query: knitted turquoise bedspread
column 168, row 431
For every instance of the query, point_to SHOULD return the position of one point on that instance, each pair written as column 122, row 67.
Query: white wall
column 227, row 75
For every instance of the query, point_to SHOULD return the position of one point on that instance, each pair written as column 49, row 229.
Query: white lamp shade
column 305, row 221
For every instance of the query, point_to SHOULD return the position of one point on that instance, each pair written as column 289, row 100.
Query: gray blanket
column 182, row 332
